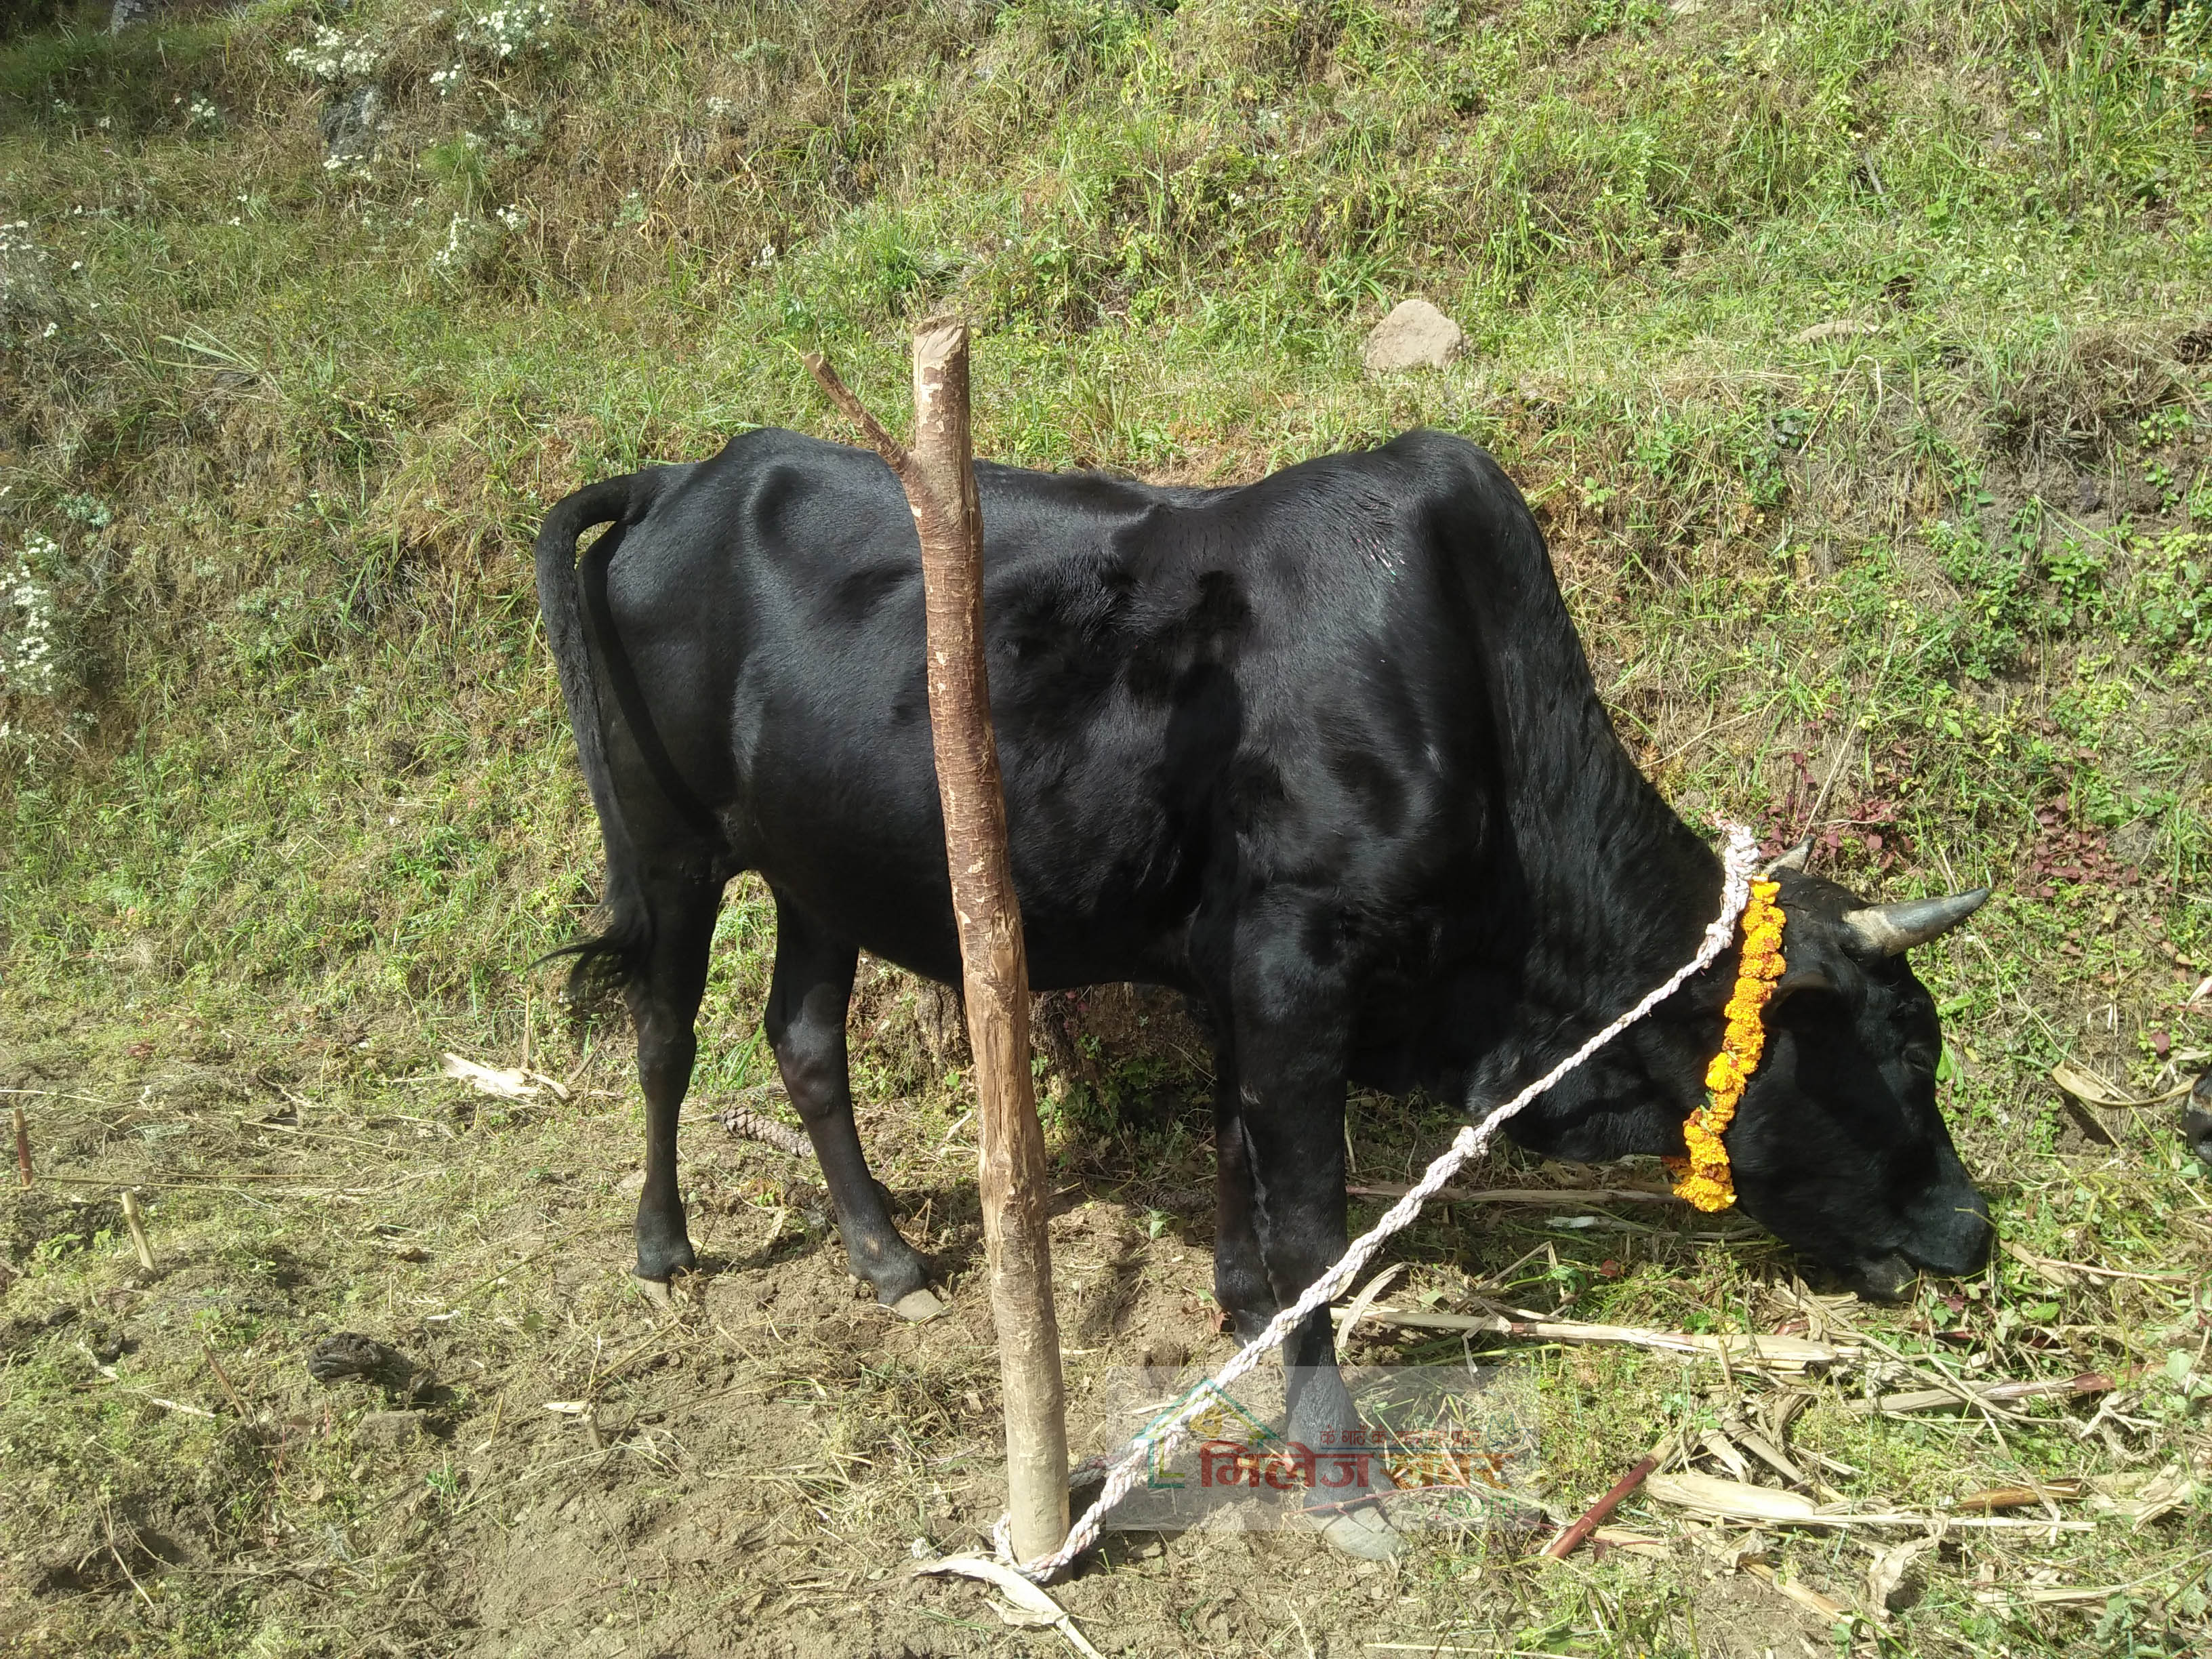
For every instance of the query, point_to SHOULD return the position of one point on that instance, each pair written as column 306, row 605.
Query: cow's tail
column 616, row 954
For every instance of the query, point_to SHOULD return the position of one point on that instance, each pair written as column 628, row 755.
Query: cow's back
column 1198, row 694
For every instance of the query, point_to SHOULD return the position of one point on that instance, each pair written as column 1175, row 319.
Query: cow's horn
column 1892, row 929
column 1792, row 859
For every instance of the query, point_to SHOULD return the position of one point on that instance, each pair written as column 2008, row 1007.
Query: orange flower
column 1703, row 1178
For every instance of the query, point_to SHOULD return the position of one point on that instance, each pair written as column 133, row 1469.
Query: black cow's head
column 1838, row 1145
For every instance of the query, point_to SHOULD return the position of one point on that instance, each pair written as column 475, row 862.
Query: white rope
column 1739, row 861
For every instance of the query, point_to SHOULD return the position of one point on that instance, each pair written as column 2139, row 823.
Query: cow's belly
column 842, row 817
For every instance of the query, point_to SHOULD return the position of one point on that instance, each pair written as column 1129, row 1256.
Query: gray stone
column 392, row 1428
column 1416, row 335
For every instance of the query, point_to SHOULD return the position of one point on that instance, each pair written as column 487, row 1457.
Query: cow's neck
column 1616, row 890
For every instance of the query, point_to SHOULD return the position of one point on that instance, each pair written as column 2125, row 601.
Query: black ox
column 1322, row 752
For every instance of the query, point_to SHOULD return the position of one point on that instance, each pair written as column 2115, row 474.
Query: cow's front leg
column 1279, row 1138
column 807, row 1001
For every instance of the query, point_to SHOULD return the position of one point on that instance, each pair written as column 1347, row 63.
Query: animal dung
column 349, row 1353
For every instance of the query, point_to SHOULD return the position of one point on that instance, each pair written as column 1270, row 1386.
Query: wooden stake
column 131, row 1219
column 23, row 1148
column 938, row 477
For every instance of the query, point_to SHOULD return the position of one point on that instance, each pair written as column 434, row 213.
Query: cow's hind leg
column 806, row 1002
column 664, row 1001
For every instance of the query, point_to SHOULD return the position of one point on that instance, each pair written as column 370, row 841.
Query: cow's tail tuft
column 612, row 957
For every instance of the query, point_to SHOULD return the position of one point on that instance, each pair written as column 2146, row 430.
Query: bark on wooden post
column 938, row 476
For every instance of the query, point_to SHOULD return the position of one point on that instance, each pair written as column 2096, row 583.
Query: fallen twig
column 1366, row 1298
column 2060, row 1271
column 1921, row 1400
column 179, row 1406
column 2051, row 1595
column 2021, row 1497
column 1790, row 1354
column 1991, row 1409
column 2093, row 1091
column 22, row 1147
column 222, row 1376
column 1767, row 1506
column 1747, row 1436
column 137, row 1226
column 1564, row 1546
column 1820, row 1605
column 1031, row 1607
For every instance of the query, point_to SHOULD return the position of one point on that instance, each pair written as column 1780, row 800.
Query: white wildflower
column 330, row 56
column 30, row 624
column 501, row 31
column 455, row 248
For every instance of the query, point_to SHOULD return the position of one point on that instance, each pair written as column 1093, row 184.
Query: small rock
column 392, row 1428
column 1416, row 335
column 1840, row 328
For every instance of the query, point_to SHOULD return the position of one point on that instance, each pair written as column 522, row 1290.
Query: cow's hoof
column 658, row 1264
column 896, row 1270
column 918, row 1305
column 1363, row 1533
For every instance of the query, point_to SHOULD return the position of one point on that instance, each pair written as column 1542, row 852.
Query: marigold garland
column 1704, row 1177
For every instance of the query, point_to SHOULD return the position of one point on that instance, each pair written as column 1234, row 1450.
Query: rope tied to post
column 1739, row 861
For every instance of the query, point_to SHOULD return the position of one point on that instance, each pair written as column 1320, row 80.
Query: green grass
column 1854, row 355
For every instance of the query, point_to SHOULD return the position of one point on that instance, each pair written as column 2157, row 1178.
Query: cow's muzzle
column 1951, row 1234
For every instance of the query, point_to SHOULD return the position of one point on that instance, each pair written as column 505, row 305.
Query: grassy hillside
column 1855, row 355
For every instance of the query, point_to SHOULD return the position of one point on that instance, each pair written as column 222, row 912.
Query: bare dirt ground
column 564, row 1467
